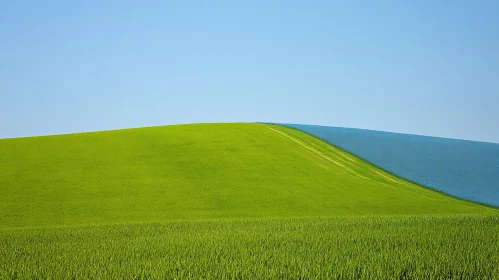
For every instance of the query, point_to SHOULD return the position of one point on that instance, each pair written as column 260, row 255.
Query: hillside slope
column 197, row 171
column 465, row 169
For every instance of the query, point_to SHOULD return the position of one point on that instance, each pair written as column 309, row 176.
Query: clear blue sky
column 422, row 67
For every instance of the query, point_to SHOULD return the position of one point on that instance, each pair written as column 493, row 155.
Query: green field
column 226, row 201
column 442, row 247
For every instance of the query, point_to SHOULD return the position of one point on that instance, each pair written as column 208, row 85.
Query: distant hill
column 465, row 169
column 198, row 171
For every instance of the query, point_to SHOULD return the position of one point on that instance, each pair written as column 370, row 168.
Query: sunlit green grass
column 419, row 247
column 226, row 201
column 196, row 172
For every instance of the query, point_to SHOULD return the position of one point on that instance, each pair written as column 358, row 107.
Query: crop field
column 226, row 201
column 438, row 247
column 465, row 169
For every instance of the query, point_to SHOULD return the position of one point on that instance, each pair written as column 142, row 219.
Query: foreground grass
column 199, row 171
column 415, row 247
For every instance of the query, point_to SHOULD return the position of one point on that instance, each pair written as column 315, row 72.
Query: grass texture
column 419, row 247
column 226, row 201
column 197, row 172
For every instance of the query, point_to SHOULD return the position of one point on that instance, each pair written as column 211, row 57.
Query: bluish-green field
column 226, row 201
column 462, row 168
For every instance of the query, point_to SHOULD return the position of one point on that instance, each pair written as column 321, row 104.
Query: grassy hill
column 200, row 171
column 226, row 201
column 462, row 168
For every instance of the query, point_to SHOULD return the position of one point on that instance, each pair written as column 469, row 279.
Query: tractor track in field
column 314, row 151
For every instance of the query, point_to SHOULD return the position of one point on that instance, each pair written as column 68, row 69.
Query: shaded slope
column 465, row 169
column 195, row 172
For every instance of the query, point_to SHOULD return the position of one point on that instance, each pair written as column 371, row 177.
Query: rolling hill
column 198, row 171
column 462, row 168
column 226, row 201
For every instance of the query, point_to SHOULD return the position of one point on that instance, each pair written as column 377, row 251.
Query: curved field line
column 315, row 151
column 387, row 177
column 336, row 152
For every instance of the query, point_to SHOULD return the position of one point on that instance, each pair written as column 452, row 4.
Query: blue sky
column 422, row 67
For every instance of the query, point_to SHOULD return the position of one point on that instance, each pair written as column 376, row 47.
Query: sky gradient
column 419, row 67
